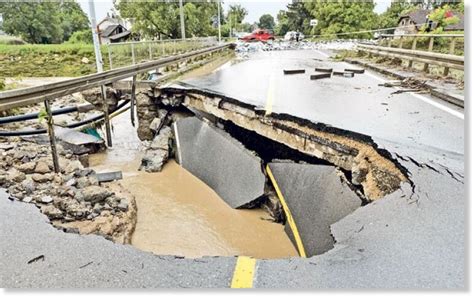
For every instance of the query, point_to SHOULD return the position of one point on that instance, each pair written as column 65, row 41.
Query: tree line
column 60, row 21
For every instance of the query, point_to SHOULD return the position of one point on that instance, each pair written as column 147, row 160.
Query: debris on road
column 322, row 69
column 293, row 71
column 36, row 259
column 346, row 74
column 320, row 76
column 109, row 176
column 355, row 70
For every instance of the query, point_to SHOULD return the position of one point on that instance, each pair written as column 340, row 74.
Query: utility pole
column 98, row 63
column 181, row 17
column 219, row 18
column 95, row 37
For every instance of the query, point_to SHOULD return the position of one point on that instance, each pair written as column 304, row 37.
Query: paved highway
column 413, row 238
column 357, row 104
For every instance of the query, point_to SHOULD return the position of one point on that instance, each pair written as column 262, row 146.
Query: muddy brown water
column 180, row 215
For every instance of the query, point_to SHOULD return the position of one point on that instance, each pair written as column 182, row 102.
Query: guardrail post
column 133, row 53
column 163, row 48
column 132, row 101
column 108, row 132
column 413, row 47
column 390, row 42
column 452, row 46
column 400, row 45
column 149, row 51
column 430, row 49
column 52, row 137
column 110, row 56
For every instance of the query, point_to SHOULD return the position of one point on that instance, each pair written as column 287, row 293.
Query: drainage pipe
column 72, row 125
column 31, row 116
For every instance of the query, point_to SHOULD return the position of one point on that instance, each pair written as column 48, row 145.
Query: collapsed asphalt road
column 412, row 238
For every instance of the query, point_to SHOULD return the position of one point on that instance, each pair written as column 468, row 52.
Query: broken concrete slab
column 323, row 69
column 78, row 142
column 346, row 74
column 293, row 71
column 355, row 70
column 316, row 198
column 220, row 161
column 320, row 76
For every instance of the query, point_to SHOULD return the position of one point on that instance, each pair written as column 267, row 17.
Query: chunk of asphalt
column 220, row 161
column 76, row 141
column 323, row 69
column 293, row 71
column 355, row 70
column 346, row 74
column 316, row 198
column 320, row 76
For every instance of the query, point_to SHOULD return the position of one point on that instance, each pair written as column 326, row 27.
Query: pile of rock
column 72, row 198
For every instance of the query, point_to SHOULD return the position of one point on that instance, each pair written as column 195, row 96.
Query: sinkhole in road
column 178, row 214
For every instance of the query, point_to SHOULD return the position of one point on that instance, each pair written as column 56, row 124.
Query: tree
column 343, row 16
column 236, row 15
column 161, row 18
column 282, row 23
column 298, row 17
column 43, row 22
column 266, row 22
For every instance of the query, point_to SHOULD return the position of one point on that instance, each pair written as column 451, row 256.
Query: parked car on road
column 292, row 35
column 259, row 35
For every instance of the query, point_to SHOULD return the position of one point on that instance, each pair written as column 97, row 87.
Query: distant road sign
column 313, row 22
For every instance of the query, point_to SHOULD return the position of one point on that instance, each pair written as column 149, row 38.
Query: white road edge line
column 420, row 97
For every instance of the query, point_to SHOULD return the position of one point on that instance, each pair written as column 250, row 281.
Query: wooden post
column 108, row 132
column 52, row 137
column 452, row 46
column 413, row 47
column 149, row 51
column 133, row 53
column 110, row 56
column 430, row 49
column 132, row 101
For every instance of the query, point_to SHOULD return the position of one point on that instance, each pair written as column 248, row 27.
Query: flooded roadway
column 180, row 215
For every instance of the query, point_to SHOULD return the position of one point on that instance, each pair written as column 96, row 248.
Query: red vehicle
column 259, row 35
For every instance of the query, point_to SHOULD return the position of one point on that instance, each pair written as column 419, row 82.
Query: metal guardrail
column 132, row 51
column 27, row 96
column 428, row 57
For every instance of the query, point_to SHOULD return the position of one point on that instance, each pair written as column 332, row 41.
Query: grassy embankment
column 71, row 60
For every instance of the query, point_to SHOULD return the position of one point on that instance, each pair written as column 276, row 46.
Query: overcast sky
column 255, row 8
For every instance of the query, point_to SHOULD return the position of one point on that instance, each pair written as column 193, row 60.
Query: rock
column 153, row 160
column 97, row 208
column 41, row 178
column 45, row 199
column 42, row 168
column 71, row 182
column 27, row 199
column 16, row 176
column 72, row 166
column 161, row 141
column 51, row 212
column 123, row 206
column 83, row 172
column 28, row 185
column 95, row 194
column 27, row 168
column 85, row 60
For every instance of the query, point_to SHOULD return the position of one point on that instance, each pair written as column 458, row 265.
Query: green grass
column 65, row 60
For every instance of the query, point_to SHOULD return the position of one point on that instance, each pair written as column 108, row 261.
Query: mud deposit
column 180, row 215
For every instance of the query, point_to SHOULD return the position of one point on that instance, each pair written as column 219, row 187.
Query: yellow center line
column 289, row 217
column 270, row 94
column 243, row 273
